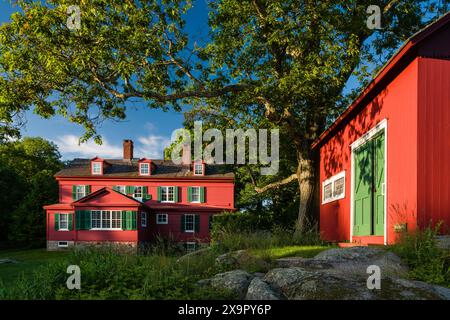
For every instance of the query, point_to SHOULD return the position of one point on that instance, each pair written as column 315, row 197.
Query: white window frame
column 63, row 244
column 186, row 222
column 66, row 215
column 167, row 194
column 166, row 219
column 195, row 169
column 110, row 219
column 144, row 219
column 83, row 187
column 135, row 193
column 332, row 181
column 191, row 243
column 192, row 194
column 121, row 187
column 148, row 169
column 100, row 167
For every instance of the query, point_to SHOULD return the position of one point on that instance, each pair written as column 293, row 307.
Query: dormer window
column 199, row 169
column 144, row 169
column 97, row 168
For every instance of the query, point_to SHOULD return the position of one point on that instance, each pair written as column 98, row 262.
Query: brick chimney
column 127, row 150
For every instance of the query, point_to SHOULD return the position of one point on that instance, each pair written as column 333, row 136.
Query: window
column 198, row 169
column 333, row 188
column 96, row 168
column 138, row 192
column 167, row 194
column 144, row 169
column 144, row 219
column 63, row 222
column 189, row 223
column 63, row 244
column 120, row 189
column 162, row 218
column 105, row 219
column 80, row 192
column 191, row 246
column 195, row 194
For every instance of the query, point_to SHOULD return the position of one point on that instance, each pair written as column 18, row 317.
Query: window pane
column 163, row 193
column 116, row 219
column 198, row 169
column 138, row 192
column 339, row 187
column 95, row 219
column 195, row 194
column 63, row 221
column 327, row 192
column 106, row 219
column 189, row 222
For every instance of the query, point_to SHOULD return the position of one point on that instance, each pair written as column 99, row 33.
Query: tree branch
column 277, row 184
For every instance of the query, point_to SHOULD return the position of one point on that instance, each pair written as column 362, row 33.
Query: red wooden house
column 385, row 162
column 130, row 201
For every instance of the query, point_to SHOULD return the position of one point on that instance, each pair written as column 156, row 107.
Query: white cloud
column 69, row 148
column 152, row 146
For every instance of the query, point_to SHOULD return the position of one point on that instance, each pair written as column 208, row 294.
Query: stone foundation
column 121, row 246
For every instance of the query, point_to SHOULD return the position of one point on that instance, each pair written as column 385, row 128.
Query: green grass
column 27, row 262
column 288, row 251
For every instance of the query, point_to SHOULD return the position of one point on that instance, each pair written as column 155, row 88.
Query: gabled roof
column 398, row 61
column 101, row 191
column 119, row 168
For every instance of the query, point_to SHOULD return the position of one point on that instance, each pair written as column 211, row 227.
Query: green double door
column 368, row 196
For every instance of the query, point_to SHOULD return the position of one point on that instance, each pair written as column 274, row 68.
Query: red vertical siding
column 434, row 141
column 398, row 104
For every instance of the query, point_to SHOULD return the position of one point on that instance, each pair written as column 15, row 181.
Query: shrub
column 224, row 239
column 107, row 274
column 427, row 262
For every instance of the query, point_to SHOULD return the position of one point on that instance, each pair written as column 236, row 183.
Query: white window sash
column 166, row 192
column 332, row 181
column 164, row 221
column 109, row 217
column 186, row 223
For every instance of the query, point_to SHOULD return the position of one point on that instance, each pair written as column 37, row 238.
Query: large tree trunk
column 306, row 183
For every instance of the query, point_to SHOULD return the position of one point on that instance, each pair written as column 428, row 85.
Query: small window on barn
column 333, row 188
column 97, row 168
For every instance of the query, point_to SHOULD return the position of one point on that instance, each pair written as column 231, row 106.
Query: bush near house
column 426, row 260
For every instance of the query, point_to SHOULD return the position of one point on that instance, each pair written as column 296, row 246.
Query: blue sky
column 149, row 129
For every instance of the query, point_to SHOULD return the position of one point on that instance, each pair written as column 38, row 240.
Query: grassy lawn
column 289, row 251
column 27, row 261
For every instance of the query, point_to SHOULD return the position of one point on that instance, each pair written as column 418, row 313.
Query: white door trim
column 382, row 125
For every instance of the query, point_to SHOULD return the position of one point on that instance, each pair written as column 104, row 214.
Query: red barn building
column 131, row 201
column 385, row 162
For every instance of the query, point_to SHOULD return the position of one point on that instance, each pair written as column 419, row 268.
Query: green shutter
column 145, row 195
column 74, row 192
column 77, row 220
column 175, row 194
column 202, row 194
column 124, row 220
column 56, row 221
column 159, row 193
column 183, row 224
column 70, row 221
column 133, row 220
column 86, row 219
column 197, row 223
column 130, row 189
column 115, row 188
column 189, row 194
column 87, row 190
